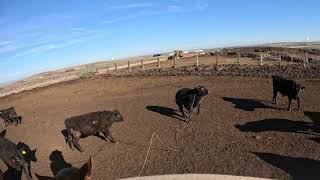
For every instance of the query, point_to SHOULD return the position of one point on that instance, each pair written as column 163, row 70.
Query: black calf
column 91, row 124
column 12, row 156
column 28, row 154
column 190, row 98
column 10, row 116
column 288, row 88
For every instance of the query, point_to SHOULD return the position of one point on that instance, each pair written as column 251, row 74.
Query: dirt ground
column 239, row 131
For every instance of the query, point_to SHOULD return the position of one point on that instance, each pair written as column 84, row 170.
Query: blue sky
column 41, row 35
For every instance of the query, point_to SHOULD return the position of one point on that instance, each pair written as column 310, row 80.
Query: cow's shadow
column 314, row 116
column 278, row 125
column 298, row 168
column 247, row 104
column 57, row 162
column 165, row 111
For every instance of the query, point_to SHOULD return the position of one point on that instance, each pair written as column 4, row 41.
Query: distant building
column 178, row 53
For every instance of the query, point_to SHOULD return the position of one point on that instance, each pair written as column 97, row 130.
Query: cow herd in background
column 19, row 156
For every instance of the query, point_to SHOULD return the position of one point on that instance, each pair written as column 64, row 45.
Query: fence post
column 217, row 61
column 238, row 58
column 129, row 65
column 306, row 60
column 280, row 60
column 142, row 64
column 159, row 65
column 115, row 67
column 291, row 60
column 174, row 62
column 261, row 59
column 197, row 59
column 108, row 69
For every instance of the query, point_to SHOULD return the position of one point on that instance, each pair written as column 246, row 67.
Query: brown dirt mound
column 265, row 71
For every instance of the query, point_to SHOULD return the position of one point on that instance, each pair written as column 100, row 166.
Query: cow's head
column 28, row 154
column 298, row 87
column 202, row 91
column 116, row 116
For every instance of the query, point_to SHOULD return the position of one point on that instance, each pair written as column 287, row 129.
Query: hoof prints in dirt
column 265, row 71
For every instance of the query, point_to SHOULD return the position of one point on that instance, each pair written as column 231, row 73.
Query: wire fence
column 213, row 59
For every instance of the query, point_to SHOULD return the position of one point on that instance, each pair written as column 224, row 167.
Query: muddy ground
column 239, row 131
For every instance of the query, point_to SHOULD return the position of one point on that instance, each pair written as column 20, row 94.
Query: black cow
column 28, row 154
column 91, row 124
column 12, row 156
column 190, row 98
column 286, row 87
column 10, row 116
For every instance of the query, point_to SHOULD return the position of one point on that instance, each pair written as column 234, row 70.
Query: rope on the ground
column 148, row 151
column 149, row 148
column 192, row 109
